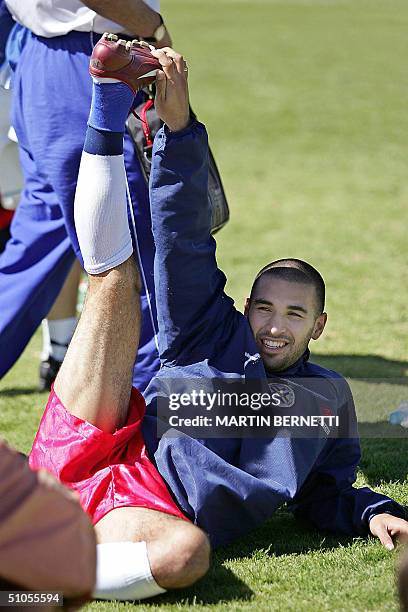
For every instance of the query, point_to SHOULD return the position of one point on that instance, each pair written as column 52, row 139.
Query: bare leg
column 95, row 379
column 178, row 551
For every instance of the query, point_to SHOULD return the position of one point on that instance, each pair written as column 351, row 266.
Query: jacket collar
column 297, row 368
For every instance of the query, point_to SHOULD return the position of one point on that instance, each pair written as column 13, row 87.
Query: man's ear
column 246, row 307
column 319, row 326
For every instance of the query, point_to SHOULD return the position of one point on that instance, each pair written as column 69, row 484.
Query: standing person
column 52, row 93
column 94, row 434
column 59, row 326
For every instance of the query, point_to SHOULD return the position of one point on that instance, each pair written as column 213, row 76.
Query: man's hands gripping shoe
column 171, row 89
column 129, row 61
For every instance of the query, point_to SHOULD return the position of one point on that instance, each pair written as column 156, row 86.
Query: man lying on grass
column 157, row 502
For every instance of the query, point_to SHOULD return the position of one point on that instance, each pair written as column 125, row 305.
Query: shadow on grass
column 384, row 452
column 382, row 430
column 384, row 446
column 16, row 391
column 283, row 535
column 219, row 585
column 280, row 535
column 364, row 366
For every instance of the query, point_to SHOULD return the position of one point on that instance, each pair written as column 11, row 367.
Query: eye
column 295, row 314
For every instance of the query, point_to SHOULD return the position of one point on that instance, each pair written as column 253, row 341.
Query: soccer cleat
column 129, row 61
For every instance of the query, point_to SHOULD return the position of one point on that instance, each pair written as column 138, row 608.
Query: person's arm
column 330, row 502
column 46, row 540
column 191, row 304
column 134, row 15
column 328, row 499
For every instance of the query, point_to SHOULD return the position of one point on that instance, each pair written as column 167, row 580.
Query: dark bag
column 143, row 129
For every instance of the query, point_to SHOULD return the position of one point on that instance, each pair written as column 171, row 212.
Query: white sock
column 100, row 212
column 57, row 334
column 123, row 572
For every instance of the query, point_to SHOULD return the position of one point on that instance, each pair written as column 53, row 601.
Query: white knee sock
column 100, row 212
column 123, row 572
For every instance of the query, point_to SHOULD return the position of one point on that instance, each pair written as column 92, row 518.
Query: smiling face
column 283, row 316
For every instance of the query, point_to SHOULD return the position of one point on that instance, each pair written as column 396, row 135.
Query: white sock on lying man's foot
column 123, row 572
column 100, row 208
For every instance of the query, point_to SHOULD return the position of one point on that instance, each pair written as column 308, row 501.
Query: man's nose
column 276, row 325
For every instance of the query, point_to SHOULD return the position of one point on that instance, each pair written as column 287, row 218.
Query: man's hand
column 171, row 89
column 135, row 16
column 387, row 527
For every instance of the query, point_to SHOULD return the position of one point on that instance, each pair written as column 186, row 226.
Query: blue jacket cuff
column 188, row 130
column 383, row 507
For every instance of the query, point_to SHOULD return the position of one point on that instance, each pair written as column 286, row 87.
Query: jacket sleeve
column 192, row 307
column 46, row 540
column 328, row 499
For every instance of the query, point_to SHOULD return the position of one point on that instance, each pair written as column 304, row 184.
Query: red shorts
column 108, row 471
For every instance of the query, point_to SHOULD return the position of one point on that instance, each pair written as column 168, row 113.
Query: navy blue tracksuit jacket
column 229, row 486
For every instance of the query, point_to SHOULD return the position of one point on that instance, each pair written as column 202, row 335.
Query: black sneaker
column 48, row 373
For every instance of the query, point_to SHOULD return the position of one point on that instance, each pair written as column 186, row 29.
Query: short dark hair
column 295, row 271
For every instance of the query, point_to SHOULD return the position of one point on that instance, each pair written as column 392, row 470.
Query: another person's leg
column 38, row 255
column 58, row 328
column 33, row 267
column 54, row 142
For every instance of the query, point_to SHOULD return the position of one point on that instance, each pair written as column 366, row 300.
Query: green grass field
column 305, row 103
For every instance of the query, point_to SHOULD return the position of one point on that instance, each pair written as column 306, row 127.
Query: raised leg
column 141, row 551
column 95, row 379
